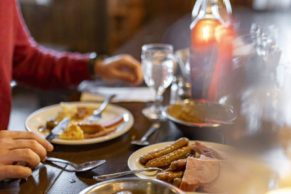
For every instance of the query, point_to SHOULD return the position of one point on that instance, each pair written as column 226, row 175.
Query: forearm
column 45, row 68
column 38, row 66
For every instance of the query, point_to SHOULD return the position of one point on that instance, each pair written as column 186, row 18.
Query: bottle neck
column 212, row 9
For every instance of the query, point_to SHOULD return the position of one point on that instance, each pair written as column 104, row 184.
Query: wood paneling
column 71, row 24
column 97, row 25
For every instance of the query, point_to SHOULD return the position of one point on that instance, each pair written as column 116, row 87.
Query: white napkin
column 123, row 94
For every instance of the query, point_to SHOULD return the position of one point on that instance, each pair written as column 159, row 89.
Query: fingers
column 14, row 171
column 123, row 75
column 122, row 67
column 134, row 67
column 31, row 144
column 26, row 156
column 27, row 135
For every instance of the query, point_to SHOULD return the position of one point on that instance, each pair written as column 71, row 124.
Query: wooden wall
column 70, row 24
column 97, row 25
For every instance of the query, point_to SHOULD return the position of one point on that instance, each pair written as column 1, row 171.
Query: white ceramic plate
column 40, row 117
column 133, row 160
column 261, row 169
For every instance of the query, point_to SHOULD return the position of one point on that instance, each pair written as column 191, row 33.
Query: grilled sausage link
column 168, row 149
column 177, row 182
column 165, row 160
column 178, row 165
column 169, row 176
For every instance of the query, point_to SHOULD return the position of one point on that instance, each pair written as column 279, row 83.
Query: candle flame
column 209, row 31
column 206, row 32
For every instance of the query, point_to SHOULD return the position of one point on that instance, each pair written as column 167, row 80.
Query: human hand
column 21, row 148
column 120, row 67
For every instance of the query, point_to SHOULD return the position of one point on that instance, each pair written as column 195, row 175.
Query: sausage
column 166, row 150
column 178, row 165
column 165, row 160
column 169, row 176
column 177, row 182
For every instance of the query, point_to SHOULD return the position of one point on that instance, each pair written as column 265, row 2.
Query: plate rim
column 87, row 141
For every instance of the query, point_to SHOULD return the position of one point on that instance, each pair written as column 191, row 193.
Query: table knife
column 57, row 130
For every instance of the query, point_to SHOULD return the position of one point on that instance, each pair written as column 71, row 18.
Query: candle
column 204, row 33
column 280, row 191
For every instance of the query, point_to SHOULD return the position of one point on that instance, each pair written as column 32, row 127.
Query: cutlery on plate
column 144, row 140
column 125, row 173
column 86, row 166
column 57, row 130
column 98, row 112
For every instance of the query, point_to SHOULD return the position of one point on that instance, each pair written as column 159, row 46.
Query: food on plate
column 90, row 127
column 178, row 165
column 203, row 150
column 177, row 182
column 80, row 127
column 189, row 112
column 169, row 176
column 199, row 172
column 200, row 112
column 168, row 149
column 165, row 160
column 209, row 170
column 73, row 131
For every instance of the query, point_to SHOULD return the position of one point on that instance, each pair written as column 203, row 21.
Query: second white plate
column 40, row 117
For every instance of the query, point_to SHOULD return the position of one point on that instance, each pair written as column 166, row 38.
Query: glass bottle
column 210, row 27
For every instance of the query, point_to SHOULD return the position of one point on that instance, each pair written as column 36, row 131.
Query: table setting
column 211, row 118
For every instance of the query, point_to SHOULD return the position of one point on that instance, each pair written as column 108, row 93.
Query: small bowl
column 132, row 186
column 199, row 114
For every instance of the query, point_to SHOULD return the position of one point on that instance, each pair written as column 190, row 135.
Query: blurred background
column 103, row 26
column 123, row 26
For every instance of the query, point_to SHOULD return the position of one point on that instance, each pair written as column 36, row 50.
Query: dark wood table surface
column 48, row 179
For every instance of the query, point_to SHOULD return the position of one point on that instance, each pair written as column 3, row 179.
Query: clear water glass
column 158, row 66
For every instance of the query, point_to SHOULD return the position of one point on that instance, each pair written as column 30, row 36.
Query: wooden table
column 48, row 179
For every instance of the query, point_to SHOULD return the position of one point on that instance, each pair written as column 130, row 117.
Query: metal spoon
column 144, row 140
column 125, row 173
column 75, row 167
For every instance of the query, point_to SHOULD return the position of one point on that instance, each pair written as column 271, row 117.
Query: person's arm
column 20, row 152
column 38, row 66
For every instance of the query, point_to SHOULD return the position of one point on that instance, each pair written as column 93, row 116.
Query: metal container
column 217, row 116
column 132, row 186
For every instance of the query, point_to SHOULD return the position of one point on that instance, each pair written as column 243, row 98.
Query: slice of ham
column 206, row 151
column 199, row 172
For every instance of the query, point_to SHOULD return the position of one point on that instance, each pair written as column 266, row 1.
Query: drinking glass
column 158, row 66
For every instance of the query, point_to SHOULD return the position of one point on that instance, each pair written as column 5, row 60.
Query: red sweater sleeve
column 41, row 67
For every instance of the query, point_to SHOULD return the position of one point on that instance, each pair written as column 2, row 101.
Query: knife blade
column 57, row 130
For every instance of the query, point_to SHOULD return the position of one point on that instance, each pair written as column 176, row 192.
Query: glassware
column 211, row 46
column 158, row 66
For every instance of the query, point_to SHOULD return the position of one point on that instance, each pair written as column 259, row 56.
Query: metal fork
column 125, row 173
column 98, row 112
